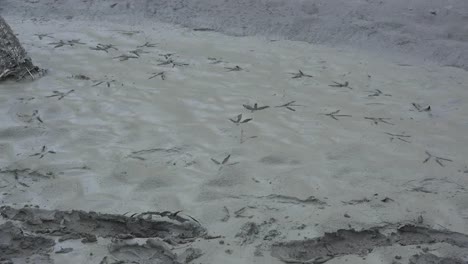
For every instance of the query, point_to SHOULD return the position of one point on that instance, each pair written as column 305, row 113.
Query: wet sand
column 366, row 143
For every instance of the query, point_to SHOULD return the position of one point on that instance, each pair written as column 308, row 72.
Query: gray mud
column 350, row 242
column 88, row 224
column 433, row 259
column 166, row 231
column 15, row 244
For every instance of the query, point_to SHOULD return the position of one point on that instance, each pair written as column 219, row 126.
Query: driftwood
column 14, row 61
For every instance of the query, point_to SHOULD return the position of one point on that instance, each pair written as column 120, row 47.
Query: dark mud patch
column 433, row 259
column 153, row 251
column 150, row 237
column 87, row 225
column 347, row 242
column 20, row 247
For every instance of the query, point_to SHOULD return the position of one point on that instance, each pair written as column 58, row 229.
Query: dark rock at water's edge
column 14, row 61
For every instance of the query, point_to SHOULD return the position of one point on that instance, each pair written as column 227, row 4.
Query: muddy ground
column 32, row 235
column 195, row 147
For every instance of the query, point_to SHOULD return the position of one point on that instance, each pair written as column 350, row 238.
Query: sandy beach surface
column 263, row 145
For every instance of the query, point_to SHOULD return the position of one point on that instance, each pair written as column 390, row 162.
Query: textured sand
column 125, row 143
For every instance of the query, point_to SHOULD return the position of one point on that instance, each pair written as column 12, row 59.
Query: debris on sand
column 345, row 242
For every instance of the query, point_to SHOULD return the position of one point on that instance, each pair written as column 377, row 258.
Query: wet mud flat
column 274, row 152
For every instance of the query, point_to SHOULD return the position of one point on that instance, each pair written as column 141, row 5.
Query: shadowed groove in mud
column 83, row 224
column 347, row 242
